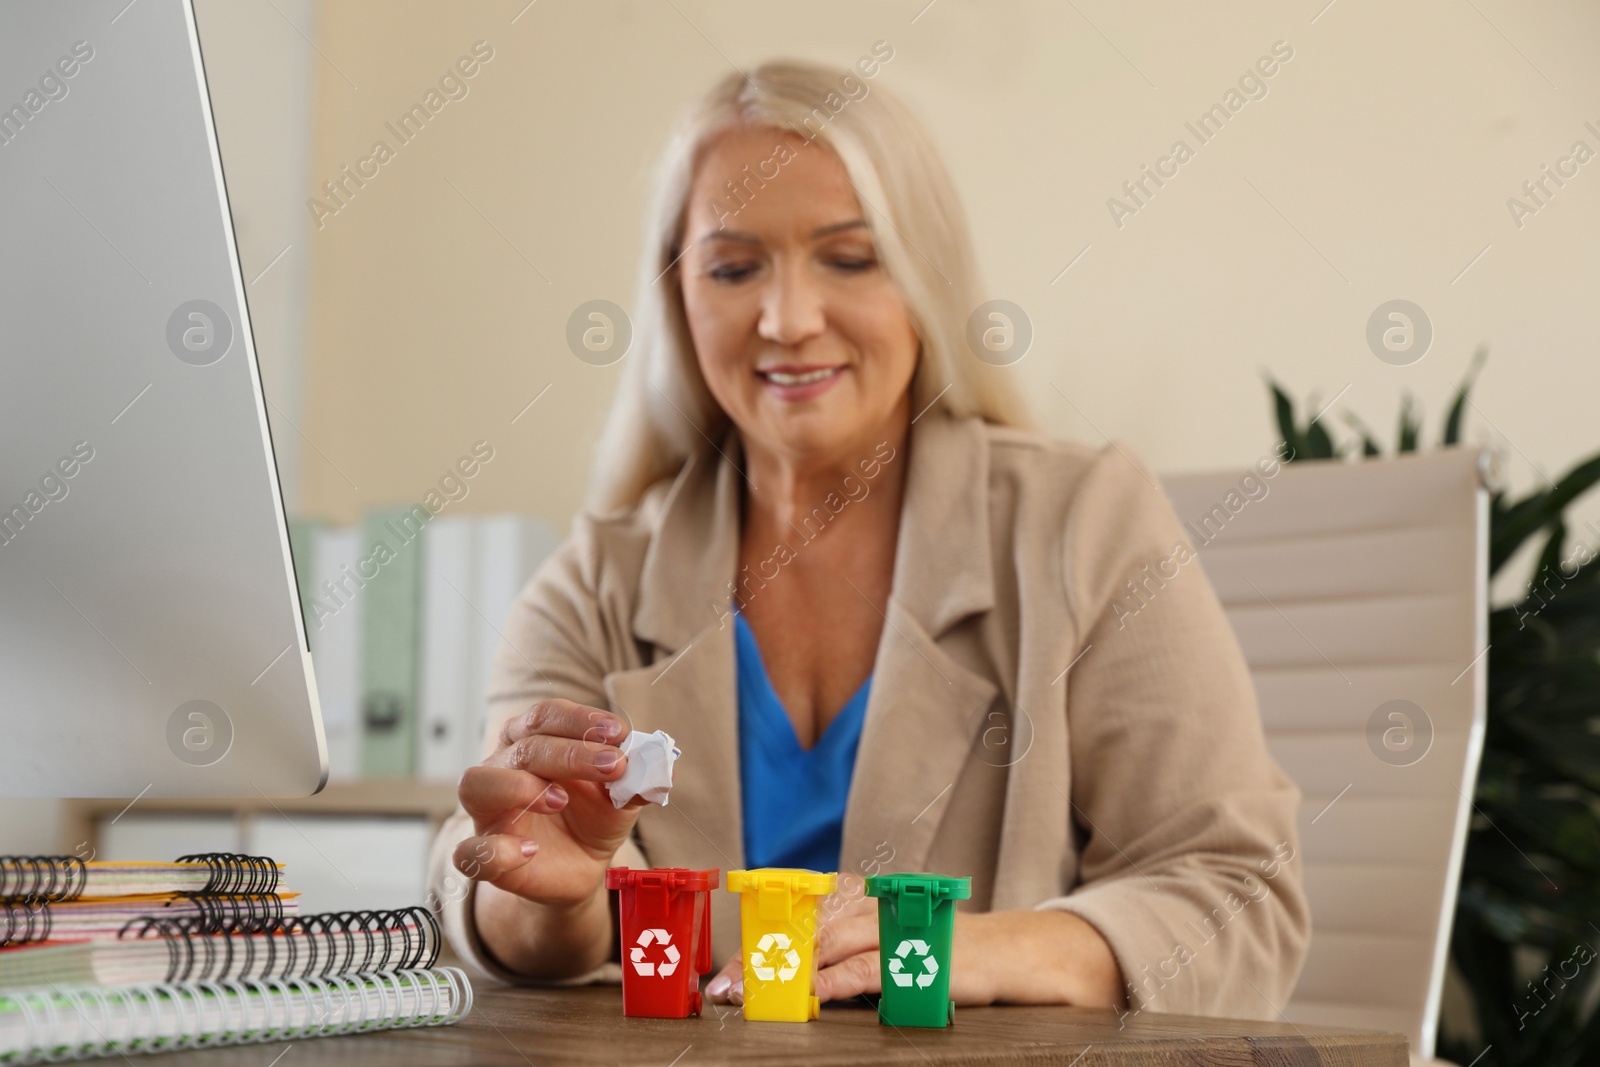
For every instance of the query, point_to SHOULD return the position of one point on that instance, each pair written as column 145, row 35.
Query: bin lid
column 939, row 887
column 792, row 879
column 665, row 877
column 777, row 890
column 916, row 896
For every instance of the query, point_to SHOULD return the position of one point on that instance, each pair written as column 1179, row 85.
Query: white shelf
column 433, row 801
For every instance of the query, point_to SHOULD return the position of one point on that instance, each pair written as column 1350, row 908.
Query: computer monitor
column 151, row 641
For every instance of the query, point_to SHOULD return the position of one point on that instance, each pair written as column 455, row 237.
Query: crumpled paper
column 649, row 773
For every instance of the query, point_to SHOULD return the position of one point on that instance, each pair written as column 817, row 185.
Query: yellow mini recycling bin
column 778, row 935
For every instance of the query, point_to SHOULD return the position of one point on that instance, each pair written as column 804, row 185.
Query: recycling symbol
column 897, row 964
column 760, row 959
column 668, row 949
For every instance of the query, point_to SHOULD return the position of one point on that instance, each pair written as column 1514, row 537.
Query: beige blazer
column 1036, row 720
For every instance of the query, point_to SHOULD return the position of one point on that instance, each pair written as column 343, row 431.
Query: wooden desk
column 521, row 1028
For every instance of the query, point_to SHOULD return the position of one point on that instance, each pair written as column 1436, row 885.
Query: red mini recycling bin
column 665, row 915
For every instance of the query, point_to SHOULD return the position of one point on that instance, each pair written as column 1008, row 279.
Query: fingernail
column 529, row 848
column 605, row 759
column 611, row 727
column 555, row 797
column 718, row 985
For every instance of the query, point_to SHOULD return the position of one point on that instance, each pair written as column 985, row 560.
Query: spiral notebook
column 151, row 967
column 62, row 898
column 45, row 1023
column 162, row 950
column 61, row 878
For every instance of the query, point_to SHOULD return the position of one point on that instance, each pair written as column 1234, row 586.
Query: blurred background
column 403, row 320
column 432, row 307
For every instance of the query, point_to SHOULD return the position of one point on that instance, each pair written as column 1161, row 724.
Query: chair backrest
column 1358, row 592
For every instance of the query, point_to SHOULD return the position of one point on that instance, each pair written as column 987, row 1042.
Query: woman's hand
column 545, row 827
column 545, row 831
column 1015, row 957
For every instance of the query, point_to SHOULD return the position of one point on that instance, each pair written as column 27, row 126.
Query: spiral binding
column 31, row 920
column 75, row 1022
column 299, row 946
column 235, row 874
column 59, row 878
column 245, row 915
column 41, row 878
column 24, row 920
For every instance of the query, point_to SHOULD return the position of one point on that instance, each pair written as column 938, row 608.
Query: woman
column 887, row 625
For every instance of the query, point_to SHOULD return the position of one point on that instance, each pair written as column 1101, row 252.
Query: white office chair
column 1351, row 585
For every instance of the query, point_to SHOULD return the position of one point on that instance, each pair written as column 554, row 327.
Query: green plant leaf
column 1318, row 444
column 1549, row 565
column 1528, row 516
column 1452, row 425
column 1410, row 424
column 1284, row 408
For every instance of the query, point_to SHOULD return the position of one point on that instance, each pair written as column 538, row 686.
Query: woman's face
column 802, row 336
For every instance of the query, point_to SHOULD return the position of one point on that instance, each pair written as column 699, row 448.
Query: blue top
column 793, row 798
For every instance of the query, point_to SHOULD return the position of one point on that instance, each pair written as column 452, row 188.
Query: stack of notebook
column 62, row 898
column 117, row 958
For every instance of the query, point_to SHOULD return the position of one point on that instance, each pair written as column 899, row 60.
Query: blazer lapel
column 925, row 708
column 923, row 715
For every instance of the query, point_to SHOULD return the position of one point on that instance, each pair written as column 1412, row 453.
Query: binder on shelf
column 449, row 625
column 404, row 613
column 510, row 549
column 303, row 533
column 390, row 637
column 334, row 627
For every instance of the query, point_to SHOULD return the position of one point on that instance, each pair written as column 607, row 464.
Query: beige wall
column 1377, row 166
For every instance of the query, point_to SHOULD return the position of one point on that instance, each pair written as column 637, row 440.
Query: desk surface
column 523, row 1027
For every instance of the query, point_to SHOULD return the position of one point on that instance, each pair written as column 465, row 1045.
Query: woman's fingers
column 563, row 718
column 850, row 977
column 847, row 955
column 561, row 759
column 728, row 981
column 490, row 857
column 495, row 795
column 846, row 936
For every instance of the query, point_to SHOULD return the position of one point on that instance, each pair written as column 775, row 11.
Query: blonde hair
column 663, row 413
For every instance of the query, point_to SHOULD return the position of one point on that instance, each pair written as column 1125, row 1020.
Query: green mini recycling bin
column 916, row 924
